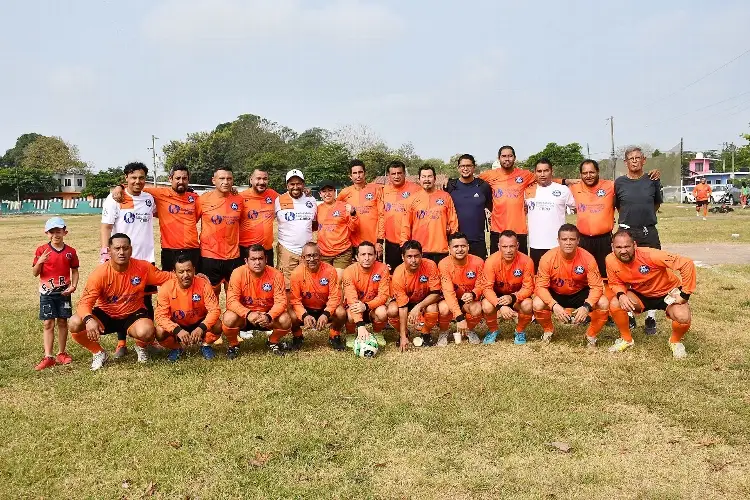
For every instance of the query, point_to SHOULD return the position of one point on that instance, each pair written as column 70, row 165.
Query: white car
column 719, row 190
column 686, row 196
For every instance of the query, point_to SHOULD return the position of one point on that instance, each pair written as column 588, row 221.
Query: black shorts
column 523, row 242
column 393, row 257
column 169, row 257
column 478, row 248
column 599, row 246
column 646, row 236
column 700, row 203
column 434, row 257
column 118, row 325
column 536, row 256
column 651, row 303
column 245, row 251
column 218, row 270
column 54, row 307
column 571, row 301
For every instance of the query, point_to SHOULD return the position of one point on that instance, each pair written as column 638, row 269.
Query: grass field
column 460, row 422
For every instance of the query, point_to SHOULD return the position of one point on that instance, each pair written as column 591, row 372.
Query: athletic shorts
column 651, row 303
column 523, row 242
column 169, row 257
column 245, row 251
column 599, row 246
column 571, row 301
column 700, row 203
column 393, row 257
column 340, row 261
column 218, row 270
column 118, row 325
column 646, row 236
column 54, row 307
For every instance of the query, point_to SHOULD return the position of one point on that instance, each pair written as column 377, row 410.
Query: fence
column 52, row 207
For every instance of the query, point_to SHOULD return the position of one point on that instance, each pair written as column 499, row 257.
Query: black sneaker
column 296, row 343
column 275, row 349
column 631, row 322
column 233, row 352
column 427, row 340
column 650, row 326
column 337, row 343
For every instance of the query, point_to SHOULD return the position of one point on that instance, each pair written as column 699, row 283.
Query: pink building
column 700, row 165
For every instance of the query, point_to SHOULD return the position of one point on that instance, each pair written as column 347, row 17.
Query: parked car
column 686, row 196
column 720, row 190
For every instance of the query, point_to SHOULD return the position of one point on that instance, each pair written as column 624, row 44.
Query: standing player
column 296, row 218
column 508, row 276
column 702, row 194
column 462, row 286
column 568, row 277
column 367, row 199
column 338, row 223
column 546, row 203
column 366, row 285
column 396, row 202
column 643, row 278
column 315, row 298
column 56, row 264
column 256, row 300
column 472, row 197
column 416, row 290
column 430, row 217
column 258, row 215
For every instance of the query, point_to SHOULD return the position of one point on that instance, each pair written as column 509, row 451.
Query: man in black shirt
column 471, row 197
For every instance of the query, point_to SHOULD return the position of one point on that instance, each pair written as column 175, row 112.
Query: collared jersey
column 430, row 218
column 314, row 291
column 220, row 225
column 595, row 207
column 507, row 198
column 650, row 273
column 178, row 217
column 186, row 306
column 396, row 204
column 295, row 219
column 335, row 228
column 258, row 217
column 702, row 192
column 265, row 293
column 54, row 277
column 369, row 286
column 508, row 278
column 412, row 288
column 134, row 216
column 568, row 277
column 369, row 204
column 456, row 280
column 545, row 209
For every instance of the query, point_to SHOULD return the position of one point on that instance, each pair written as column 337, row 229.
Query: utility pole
column 723, row 157
column 733, row 149
column 682, row 148
column 153, row 154
column 588, row 151
column 613, row 158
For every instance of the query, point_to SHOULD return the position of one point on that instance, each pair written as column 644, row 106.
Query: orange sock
column 544, row 318
column 620, row 318
column 170, row 342
column 394, row 322
column 491, row 320
column 122, row 343
column 598, row 319
column 377, row 326
column 210, row 338
column 277, row 335
column 472, row 321
column 444, row 322
column 430, row 320
column 678, row 331
column 231, row 335
column 297, row 332
column 81, row 338
column 141, row 343
column 333, row 333
column 523, row 321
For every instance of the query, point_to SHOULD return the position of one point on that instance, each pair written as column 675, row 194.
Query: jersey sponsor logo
column 178, row 314
column 517, row 273
column 324, row 281
column 578, row 270
column 405, row 194
column 148, row 203
column 369, row 196
column 113, row 299
column 421, row 214
column 471, row 275
column 519, row 180
column 234, row 206
column 440, row 201
column 69, row 256
column 174, row 209
column 530, row 204
column 387, row 207
column 556, row 192
column 336, row 214
column 135, row 280
column 309, row 204
column 423, row 279
column 498, row 193
column 600, row 193
column 196, row 297
column 248, row 301
column 268, row 200
column 252, row 214
column 581, row 207
column 644, row 269
column 476, row 195
column 105, row 212
column 129, row 218
column 267, row 287
column 217, row 219
column 376, row 277
column 289, row 216
column 559, row 282
column 191, row 199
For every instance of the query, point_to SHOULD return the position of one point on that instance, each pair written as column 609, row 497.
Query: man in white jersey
column 296, row 215
column 133, row 216
column 545, row 204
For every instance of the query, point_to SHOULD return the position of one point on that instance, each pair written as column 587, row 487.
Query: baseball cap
column 53, row 223
column 326, row 183
column 294, row 173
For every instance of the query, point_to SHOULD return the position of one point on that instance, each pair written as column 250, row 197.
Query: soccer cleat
column 174, row 355
column 99, row 359
column 678, row 350
column 456, row 337
column 546, row 336
column 704, row 218
column 620, row 345
column 442, row 340
column 473, row 338
column 275, row 349
column 46, row 362
column 650, row 326
column 246, row 335
column 297, row 343
column 427, row 340
column 142, row 354
column 590, row 342
column 491, row 337
column 337, row 343
column 64, row 358
column 121, row 351
column 697, row 214
column 207, row 352
column 631, row 322
column 233, row 352
column 519, row 338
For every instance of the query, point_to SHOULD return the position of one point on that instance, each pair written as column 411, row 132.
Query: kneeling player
column 569, row 277
column 256, row 300
column 642, row 279
column 366, row 286
column 509, row 283
column 315, row 298
column 415, row 286
column 187, row 311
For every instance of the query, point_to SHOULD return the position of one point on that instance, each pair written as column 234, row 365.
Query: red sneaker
column 46, row 362
column 64, row 358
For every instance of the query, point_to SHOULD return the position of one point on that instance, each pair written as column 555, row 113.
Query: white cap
column 294, row 173
column 53, row 223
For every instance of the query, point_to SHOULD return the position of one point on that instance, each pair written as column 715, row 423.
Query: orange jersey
column 178, row 217
column 568, row 277
column 369, row 286
column 595, row 207
column 119, row 294
column 508, row 278
column 650, row 273
column 369, row 204
column 456, row 280
column 702, row 192
column 257, row 218
column 412, row 288
column 314, row 291
column 184, row 307
column 507, row 198
column 335, row 228
column 265, row 293
column 220, row 225
column 431, row 217
column 396, row 203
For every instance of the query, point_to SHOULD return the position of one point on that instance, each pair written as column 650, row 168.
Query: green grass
column 461, row 422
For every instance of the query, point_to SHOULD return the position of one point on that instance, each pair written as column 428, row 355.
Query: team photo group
column 412, row 255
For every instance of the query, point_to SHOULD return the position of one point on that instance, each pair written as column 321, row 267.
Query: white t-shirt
column 295, row 218
column 545, row 209
column 134, row 217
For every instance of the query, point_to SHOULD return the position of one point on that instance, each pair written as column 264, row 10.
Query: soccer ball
column 367, row 348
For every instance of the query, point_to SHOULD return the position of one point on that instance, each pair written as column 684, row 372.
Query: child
column 56, row 264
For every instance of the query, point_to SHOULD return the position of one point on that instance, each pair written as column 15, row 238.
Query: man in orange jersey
column 187, row 311
column 366, row 285
column 702, row 194
column 258, row 215
column 113, row 301
column 338, row 222
column 643, row 279
column 416, row 290
column 430, row 218
column 568, row 277
column 256, row 300
column 367, row 198
column 462, row 285
column 315, row 298
column 509, row 282
column 396, row 201
column 221, row 213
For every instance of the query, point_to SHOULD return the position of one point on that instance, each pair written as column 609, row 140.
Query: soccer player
column 256, row 300
column 112, row 301
column 296, row 215
column 366, row 286
column 643, row 278
column 315, row 298
column 416, row 290
column 367, row 199
column 462, row 286
column 396, row 201
column 508, row 276
column 546, row 203
column 471, row 197
column 430, row 217
column 702, row 194
column 56, row 264
column 338, row 222
column 568, row 277
column 187, row 311
column 259, row 214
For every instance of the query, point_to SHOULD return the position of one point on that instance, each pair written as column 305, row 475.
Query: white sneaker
column 697, row 214
column 620, row 345
column 473, row 337
column 546, row 336
column 142, row 354
column 590, row 342
column 246, row 335
column 704, row 218
column 442, row 340
column 98, row 361
column 456, row 337
column 678, row 350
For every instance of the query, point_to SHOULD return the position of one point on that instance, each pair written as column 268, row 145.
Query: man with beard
column 259, row 213
column 367, row 199
column 296, row 215
column 471, row 197
column 396, row 199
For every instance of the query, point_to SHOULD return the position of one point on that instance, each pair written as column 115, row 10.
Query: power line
column 701, row 109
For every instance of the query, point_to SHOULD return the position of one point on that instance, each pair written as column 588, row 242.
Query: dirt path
column 712, row 254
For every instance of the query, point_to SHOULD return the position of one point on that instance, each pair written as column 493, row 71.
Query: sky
column 449, row 77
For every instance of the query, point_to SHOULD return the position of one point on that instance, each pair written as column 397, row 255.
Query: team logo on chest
column 644, row 269
column 268, row 200
column 423, row 279
column 196, row 297
column 234, row 206
column 600, row 193
column 369, row 196
column 517, row 273
column 129, row 218
column 556, row 192
column 148, row 203
column 324, row 281
column 309, row 204
column 266, row 287
column 530, row 204
column 191, row 199
column 405, row 194
column 471, row 275
column 69, row 256
column 519, row 180
column 440, row 201
column 135, row 280
column 376, row 278
column 578, row 270
column 337, row 214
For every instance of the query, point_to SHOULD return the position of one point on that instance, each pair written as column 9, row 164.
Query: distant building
column 703, row 167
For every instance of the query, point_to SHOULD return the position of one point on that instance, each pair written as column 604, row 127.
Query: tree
column 565, row 159
column 12, row 157
column 656, row 153
column 53, row 155
column 26, row 181
column 98, row 184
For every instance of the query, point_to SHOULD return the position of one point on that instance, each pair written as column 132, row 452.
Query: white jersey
column 134, row 217
column 545, row 209
column 295, row 218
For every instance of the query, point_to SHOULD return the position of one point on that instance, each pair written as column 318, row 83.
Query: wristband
column 304, row 316
column 367, row 310
column 460, row 318
column 327, row 315
column 552, row 306
column 685, row 296
column 87, row 318
column 620, row 294
column 587, row 306
column 473, row 296
column 498, row 307
column 513, row 300
column 203, row 327
column 176, row 330
column 270, row 319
